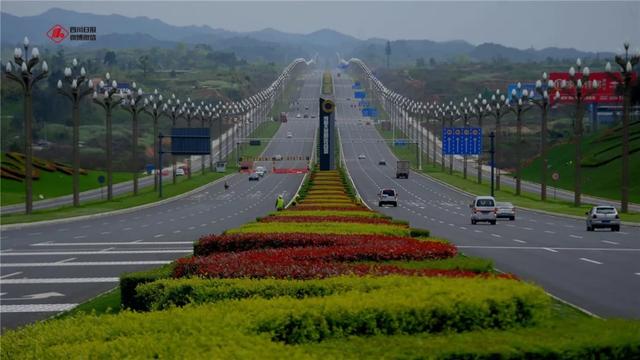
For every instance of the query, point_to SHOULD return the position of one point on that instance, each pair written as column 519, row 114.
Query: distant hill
column 117, row 31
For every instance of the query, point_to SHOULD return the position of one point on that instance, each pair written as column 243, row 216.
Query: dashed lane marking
column 520, row 241
column 10, row 275
column 118, row 243
column 60, row 280
column 40, row 253
column 83, row 263
column 610, row 242
column 576, row 236
column 591, row 261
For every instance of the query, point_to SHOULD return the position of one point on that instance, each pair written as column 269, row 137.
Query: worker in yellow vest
column 280, row 203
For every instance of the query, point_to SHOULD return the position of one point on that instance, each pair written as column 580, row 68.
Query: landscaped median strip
column 320, row 280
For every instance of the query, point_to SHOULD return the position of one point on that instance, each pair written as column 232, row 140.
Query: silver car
column 483, row 208
column 506, row 210
column 603, row 217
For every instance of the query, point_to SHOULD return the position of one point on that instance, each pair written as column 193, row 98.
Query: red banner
column 604, row 93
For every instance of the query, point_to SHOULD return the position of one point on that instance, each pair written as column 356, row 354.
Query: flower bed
column 324, row 228
column 333, row 218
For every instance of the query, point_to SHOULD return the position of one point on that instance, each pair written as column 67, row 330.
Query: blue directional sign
column 462, row 141
column 401, row 142
column 356, row 85
column 359, row 94
column 370, row 112
column 190, row 141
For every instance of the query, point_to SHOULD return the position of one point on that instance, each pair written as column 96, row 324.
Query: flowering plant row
column 331, row 207
column 238, row 242
column 333, row 218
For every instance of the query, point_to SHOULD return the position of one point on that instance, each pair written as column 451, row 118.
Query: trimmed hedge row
column 129, row 282
column 324, row 228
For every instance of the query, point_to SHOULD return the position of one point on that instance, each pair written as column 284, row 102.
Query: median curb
column 626, row 223
column 110, row 213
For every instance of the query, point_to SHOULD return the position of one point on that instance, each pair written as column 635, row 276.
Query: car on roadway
column 306, row 116
column 261, row 170
column 298, row 116
column 179, row 172
column 254, row 176
column 388, row 197
column 484, row 209
column 506, row 210
column 313, row 116
column 602, row 216
column 277, row 157
column 382, row 162
column 289, row 134
column 362, row 156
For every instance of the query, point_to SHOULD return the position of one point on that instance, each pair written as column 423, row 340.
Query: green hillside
column 601, row 164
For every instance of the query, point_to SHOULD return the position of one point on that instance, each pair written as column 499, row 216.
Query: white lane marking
column 34, row 234
column 520, row 241
column 86, row 263
column 177, row 231
column 550, row 232
column 545, row 248
column 576, row 236
column 30, row 308
column 80, row 237
column 105, row 233
column 622, row 233
column 463, row 228
column 527, row 228
column 591, row 261
column 65, row 260
column 10, row 275
column 85, row 226
column 549, row 249
column 638, row 273
column 478, row 231
column 126, row 229
column 41, row 253
column 191, row 227
column 63, row 229
column 60, row 280
column 610, row 242
column 39, row 296
column 496, row 235
column 137, row 242
column 158, row 235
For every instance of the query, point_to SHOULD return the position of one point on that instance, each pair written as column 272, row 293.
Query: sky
column 584, row 25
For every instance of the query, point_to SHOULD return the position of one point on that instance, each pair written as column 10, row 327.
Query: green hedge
column 416, row 233
column 129, row 281
column 323, row 228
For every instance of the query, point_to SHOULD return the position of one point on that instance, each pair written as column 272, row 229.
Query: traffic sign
column 462, row 141
column 370, row 112
column 363, row 103
column 555, row 176
column 101, row 179
column 356, row 85
column 359, row 94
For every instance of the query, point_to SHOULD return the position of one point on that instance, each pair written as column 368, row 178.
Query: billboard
column 190, row 141
column 605, row 93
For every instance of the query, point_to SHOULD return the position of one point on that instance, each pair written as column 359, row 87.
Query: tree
column 432, row 62
column 420, row 62
column 110, row 58
column 387, row 51
column 145, row 64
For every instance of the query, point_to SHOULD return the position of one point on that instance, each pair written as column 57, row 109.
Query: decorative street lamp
column 626, row 65
column 544, row 103
column 580, row 79
column 173, row 110
column 22, row 72
column 77, row 87
column 467, row 113
column 500, row 107
column 153, row 108
column 480, row 106
column 522, row 103
column 133, row 103
column 108, row 99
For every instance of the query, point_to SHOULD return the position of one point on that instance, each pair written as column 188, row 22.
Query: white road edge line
column 591, row 261
column 31, row 308
column 82, row 263
column 60, row 280
column 41, row 253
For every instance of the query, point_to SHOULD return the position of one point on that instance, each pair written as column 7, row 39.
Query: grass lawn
column 145, row 196
column 265, row 130
column 54, row 184
column 525, row 200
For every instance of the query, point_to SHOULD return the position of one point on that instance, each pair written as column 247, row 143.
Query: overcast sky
column 585, row 25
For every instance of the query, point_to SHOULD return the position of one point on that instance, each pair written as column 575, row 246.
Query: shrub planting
column 324, row 228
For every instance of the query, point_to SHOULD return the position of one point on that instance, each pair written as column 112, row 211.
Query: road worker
column 280, row 203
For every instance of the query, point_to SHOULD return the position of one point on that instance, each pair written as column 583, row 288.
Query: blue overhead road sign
column 360, row 95
column 462, row 141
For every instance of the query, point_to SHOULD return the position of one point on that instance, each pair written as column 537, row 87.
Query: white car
column 277, row 157
column 289, row 134
column 362, row 156
column 179, row 172
column 506, row 210
column 603, row 217
column 261, row 170
column 298, row 116
column 484, row 208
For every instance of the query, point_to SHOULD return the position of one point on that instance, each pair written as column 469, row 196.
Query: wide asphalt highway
column 597, row 271
column 46, row 269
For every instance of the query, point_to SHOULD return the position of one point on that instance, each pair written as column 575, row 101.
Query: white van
column 483, row 208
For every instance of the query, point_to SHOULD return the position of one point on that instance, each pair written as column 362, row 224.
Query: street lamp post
column 480, row 105
column 522, row 104
column 134, row 104
column 25, row 76
column 173, row 110
column 467, row 113
column 500, row 108
column 581, row 80
column 543, row 102
column 108, row 99
column 626, row 65
column 153, row 108
column 77, row 87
